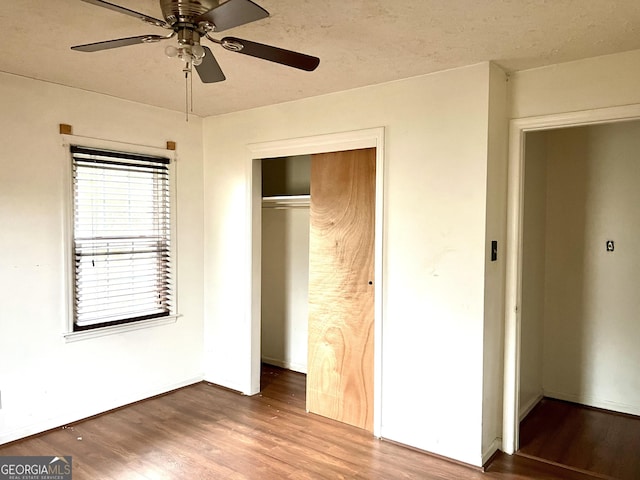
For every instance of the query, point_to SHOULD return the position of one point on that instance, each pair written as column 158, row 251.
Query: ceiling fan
column 192, row 20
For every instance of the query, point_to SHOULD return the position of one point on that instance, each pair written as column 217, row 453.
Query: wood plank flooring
column 207, row 432
column 603, row 443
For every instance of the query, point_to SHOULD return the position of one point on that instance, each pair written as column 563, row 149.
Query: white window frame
column 68, row 331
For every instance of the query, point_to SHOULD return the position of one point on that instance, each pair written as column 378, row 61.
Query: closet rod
column 286, row 201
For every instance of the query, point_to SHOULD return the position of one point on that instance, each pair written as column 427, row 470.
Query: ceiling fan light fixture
column 197, row 51
column 187, row 53
column 171, row 51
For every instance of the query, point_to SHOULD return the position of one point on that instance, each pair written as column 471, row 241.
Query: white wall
column 598, row 82
column 434, row 245
column 533, row 271
column 45, row 382
column 496, row 205
column 285, row 287
column 591, row 311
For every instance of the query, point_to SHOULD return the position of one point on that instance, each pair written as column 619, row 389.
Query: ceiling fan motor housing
column 175, row 11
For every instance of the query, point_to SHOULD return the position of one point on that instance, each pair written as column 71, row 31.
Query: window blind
column 121, row 241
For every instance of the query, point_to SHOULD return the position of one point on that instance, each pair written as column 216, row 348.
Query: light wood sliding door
column 341, row 286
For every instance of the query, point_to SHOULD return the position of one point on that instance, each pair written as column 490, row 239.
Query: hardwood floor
column 603, row 443
column 207, row 432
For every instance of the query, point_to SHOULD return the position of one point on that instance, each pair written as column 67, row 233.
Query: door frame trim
column 513, row 282
column 333, row 142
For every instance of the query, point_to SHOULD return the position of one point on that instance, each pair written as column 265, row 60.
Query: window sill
column 127, row 327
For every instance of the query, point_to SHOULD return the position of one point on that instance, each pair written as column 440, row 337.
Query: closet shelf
column 286, row 201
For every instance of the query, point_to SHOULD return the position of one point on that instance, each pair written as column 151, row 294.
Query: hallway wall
column 592, row 305
column 580, row 305
column 533, row 270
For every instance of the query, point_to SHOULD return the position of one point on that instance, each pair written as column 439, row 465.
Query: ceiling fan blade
column 273, row 54
column 126, row 11
column 209, row 70
column 119, row 42
column 232, row 14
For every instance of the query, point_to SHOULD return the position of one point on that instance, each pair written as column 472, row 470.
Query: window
column 121, row 238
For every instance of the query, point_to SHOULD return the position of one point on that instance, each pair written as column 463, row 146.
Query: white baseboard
column 595, row 402
column 493, row 448
column 530, row 405
column 296, row 367
column 72, row 417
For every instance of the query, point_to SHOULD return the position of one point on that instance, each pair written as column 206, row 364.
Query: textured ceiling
column 359, row 42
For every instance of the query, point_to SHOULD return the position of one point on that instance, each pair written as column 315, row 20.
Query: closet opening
column 285, row 264
column 348, row 146
column 572, row 320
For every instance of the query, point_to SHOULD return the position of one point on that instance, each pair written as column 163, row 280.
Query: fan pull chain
column 186, row 91
column 186, row 96
column 191, row 90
